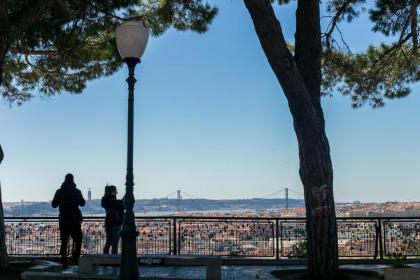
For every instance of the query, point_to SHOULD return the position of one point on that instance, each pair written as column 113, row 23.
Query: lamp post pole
column 129, row 266
column 131, row 39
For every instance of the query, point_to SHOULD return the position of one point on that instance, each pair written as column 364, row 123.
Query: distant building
column 89, row 195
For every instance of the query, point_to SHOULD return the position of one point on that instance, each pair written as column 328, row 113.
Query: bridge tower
column 178, row 198
column 286, row 197
column 89, row 195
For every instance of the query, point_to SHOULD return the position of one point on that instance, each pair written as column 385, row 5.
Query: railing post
column 178, row 249
column 377, row 240
column 277, row 240
column 281, row 240
column 381, row 240
column 174, row 237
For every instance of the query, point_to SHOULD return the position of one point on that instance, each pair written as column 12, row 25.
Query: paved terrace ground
column 198, row 273
column 228, row 272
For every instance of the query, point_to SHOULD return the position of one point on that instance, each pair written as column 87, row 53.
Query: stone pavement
column 234, row 272
column 196, row 273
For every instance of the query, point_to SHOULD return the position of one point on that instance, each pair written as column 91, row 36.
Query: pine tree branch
column 105, row 12
column 394, row 48
column 414, row 35
column 34, row 52
column 332, row 25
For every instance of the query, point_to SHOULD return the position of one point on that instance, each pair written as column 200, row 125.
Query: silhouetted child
column 114, row 217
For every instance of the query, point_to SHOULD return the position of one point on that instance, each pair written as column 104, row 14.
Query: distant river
column 225, row 211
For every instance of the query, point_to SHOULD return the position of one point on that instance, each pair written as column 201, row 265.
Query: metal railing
column 224, row 236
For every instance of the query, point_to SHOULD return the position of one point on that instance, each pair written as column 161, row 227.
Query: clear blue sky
column 210, row 119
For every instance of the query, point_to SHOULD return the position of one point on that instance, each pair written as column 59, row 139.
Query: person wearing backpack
column 68, row 198
column 113, row 220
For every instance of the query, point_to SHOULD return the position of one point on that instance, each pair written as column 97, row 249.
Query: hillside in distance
column 161, row 206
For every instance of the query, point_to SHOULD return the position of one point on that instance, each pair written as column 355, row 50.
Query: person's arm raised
column 54, row 202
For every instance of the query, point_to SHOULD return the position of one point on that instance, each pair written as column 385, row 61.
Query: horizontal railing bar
column 217, row 218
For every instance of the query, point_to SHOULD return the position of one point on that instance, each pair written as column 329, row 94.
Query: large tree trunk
column 316, row 170
column 4, row 259
column 300, row 79
column 317, row 178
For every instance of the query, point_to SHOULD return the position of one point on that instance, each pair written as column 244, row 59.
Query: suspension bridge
column 283, row 193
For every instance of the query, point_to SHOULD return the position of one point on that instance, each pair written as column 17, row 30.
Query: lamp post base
column 129, row 266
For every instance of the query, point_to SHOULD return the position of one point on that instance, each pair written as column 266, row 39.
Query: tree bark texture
column 300, row 79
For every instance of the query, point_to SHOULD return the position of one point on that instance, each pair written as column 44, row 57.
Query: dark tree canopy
column 53, row 46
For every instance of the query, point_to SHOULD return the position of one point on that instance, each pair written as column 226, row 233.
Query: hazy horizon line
column 228, row 199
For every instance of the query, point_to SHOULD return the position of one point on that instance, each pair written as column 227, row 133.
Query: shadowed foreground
column 343, row 274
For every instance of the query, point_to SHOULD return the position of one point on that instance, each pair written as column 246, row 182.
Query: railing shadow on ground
column 255, row 237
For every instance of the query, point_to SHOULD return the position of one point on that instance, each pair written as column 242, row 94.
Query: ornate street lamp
column 131, row 37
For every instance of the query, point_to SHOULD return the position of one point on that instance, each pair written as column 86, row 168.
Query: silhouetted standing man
column 68, row 199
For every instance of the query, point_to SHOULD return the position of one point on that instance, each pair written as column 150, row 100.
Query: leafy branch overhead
column 65, row 44
column 382, row 72
column 71, row 42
